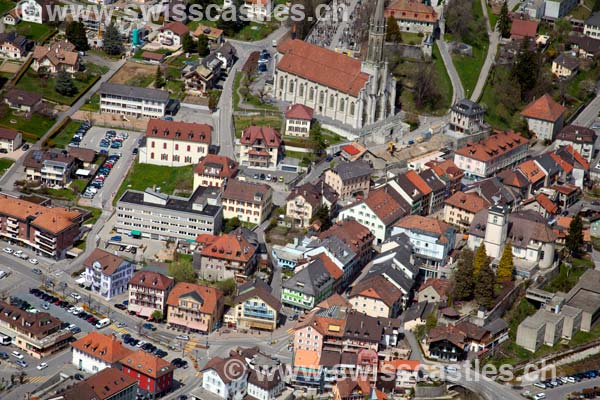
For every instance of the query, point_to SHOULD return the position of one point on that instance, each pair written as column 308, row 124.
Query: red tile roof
column 565, row 188
column 384, row 206
column 426, row 224
column 50, row 219
column 322, row 66
column 209, row 295
column 544, row 108
column 565, row 166
column 419, row 183
column 470, row 202
column 494, row 146
column 333, row 270
column 545, row 203
column 378, row 288
column 578, row 157
column 350, row 149
column 216, row 165
column 250, row 192
column 411, row 10
column 150, row 279
column 441, row 286
column 521, row 28
column 350, row 232
column 446, row 167
column 108, row 261
column 176, row 27
column 230, row 247
column 267, row 135
column 176, row 130
column 299, row 111
column 104, row 347
column 532, row 171
column 9, row 134
column 147, row 364
column 106, row 384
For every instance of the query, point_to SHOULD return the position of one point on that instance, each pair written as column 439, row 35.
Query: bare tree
column 425, row 88
column 262, row 94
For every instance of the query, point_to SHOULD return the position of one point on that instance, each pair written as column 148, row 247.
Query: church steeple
column 377, row 29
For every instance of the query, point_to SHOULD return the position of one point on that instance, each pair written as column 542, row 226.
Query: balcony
column 261, row 315
column 44, row 236
column 12, row 229
column 12, row 222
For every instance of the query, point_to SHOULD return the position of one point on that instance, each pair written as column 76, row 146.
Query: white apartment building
column 297, row 120
column 107, row 274
column 225, row 383
column 544, row 117
column 580, row 138
column 96, row 351
column 260, row 147
column 592, row 26
column 133, row 101
column 174, row 143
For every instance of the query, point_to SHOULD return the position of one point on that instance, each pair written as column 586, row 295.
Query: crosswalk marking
column 117, row 329
column 38, row 379
column 290, row 331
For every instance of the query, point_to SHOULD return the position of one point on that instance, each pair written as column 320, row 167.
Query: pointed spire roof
column 379, row 11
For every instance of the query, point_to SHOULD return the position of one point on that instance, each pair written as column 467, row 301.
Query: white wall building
column 133, row 101
column 225, row 383
column 107, row 274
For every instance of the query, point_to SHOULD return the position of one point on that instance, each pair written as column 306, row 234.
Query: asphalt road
column 458, row 92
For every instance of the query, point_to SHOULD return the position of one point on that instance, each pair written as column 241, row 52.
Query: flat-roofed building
column 133, row 101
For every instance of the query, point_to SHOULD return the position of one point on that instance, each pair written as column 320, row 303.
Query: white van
column 2, row 274
column 102, row 323
column 539, row 396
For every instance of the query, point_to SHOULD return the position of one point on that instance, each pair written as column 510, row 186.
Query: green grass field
column 169, row 179
column 5, row 164
column 33, row 128
column 32, row 82
column 62, row 138
column 242, row 123
column 36, row 32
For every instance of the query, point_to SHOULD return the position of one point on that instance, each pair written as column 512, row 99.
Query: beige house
column 174, row 143
column 434, row 290
column 194, row 308
column 544, row 117
column 376, row 297
column 256, row 307
column 60, row 56
column 229, row 256
column 250, row 202
column 260, row 147
column 349, row 179
column 214, row 170
column 564, row 66
column 302, row 204
column 148, row 292
column 10, row 139
column 460, row 209
column 297, row 120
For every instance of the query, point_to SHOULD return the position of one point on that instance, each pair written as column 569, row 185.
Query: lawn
column 444, row 84
column 33, row 127
column 32, row 82
column 411, row 38
column 64, row 136
column 176, row 88
column 96, row 213
column 140, row 81
column 255, row 31
column 488, row 97
column 6, row 5
column 182, row 60
column 568, row 276
column 236, row 85
column 580, row 13
column 36, row 32
column 493, row 17
column 169, row 179
column 250, row 98
column 93, row 104
column 5, row 164
column 242, row 123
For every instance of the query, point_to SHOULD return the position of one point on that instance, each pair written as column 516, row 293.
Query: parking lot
column 112, row 182
column 557, row 389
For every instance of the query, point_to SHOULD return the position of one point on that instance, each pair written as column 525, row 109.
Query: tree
column 188, row 44
column 504, row 21
column 231, row 20
column 231, row 224
column 157, row 315
column 76, row 34
column 574, row 239
column 480, row 259
column 213, row 99
column 228, row 286
column 112, row 42
column 463, row 276
column 506, row 265
column 431, row 321
column 322, row 215
column 484, row 286
column 526, row 69
column 393, row 30
column 459, row 18
column 182, row 271
column 64, row 84
column 203, row 49
column 159, row 79
column 425, row 90
column 562, row 27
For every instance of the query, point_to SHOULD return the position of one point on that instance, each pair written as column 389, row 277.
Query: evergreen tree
column 231, row 20
column 504, row 21
column 112, row 42
column 75, row 34
column 231, row 224
column 506, row 266
column 182, row 271
column 64, row 84
column 481, row 258
column 203, row 49
column 484, row 286
column 574, row 239
column 159, row 79
column 463, row 276
column 322, row 215
column 188, row 44
column 393, row 30
column 526, row 68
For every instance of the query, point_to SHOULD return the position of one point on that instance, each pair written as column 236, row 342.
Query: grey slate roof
column 433, row 181
column 352, row 170
column 467, row 107
column 523, row 226
column 419, row 310
column 115, row 89
column 567, row 62
column 312, row 279
column 493, row 191
column 594, row 19
column 548, row 163
column 496, row 326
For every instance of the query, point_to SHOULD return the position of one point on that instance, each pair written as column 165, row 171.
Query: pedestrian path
column 37, row 379
column 115, row 328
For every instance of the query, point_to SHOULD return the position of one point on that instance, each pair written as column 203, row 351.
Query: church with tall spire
column 344, row 89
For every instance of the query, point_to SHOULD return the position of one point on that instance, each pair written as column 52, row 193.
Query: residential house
column 349, row 179
column 201, row 77
column 172, row 33
column 432, row 241
column 12, row 17
column 154, row 58
column 489, row 156
column 357, row 236
column 415, row 192
column 378, row 212
column 256, row 10
column 413, row 16
column 568, row 194
column 592, row 26
column 446, row 344
column 250, row 202
column 154, row 215
column 60, row 56
column 582, row 140
column 225, row 383
column 107, row 274
column 542, row 204
column 581, row 168
column 256, row 307
column 227, row 54
column 564, row 66
column 460, row 209
column 35, row 11
column 36, row 334
column 335, row 252
column 229, row 256
column 10, row 139
column 523, row 28
column 434, row 290
column 22, row 100
column 298, row 118
column 51, row 231
column 438, row 188
column 214, row 170
column 356, row 389
column 50, row 168
column 352, row 152
column 194, row 308
column 559, row 8
column 96, row 351
column 405, row 373
column 544, row 117
column 535, row 174
column 304, row 201
column 153, row 374
column 215, row 36
column 13, row 45
column 108, row 384
column 416, row 315
column 515, row 180
column 493, row 191
column 260, row 147
column 449, row 172
column 132, row 101
column 86, row 157
column 312, row 284
column 584, row 46
column 466, row 116
column 376, row 297
column 175, row 143
column 148, row 293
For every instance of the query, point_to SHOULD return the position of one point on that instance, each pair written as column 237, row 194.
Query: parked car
column 42, row 366
column 34, row 261
column 76, row 296
column 149, row 327
column 22, row 363
column 37, row 271
column 17, row 355
column 121, row 306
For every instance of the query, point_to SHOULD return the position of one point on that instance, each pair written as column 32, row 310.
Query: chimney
column 294, row 31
